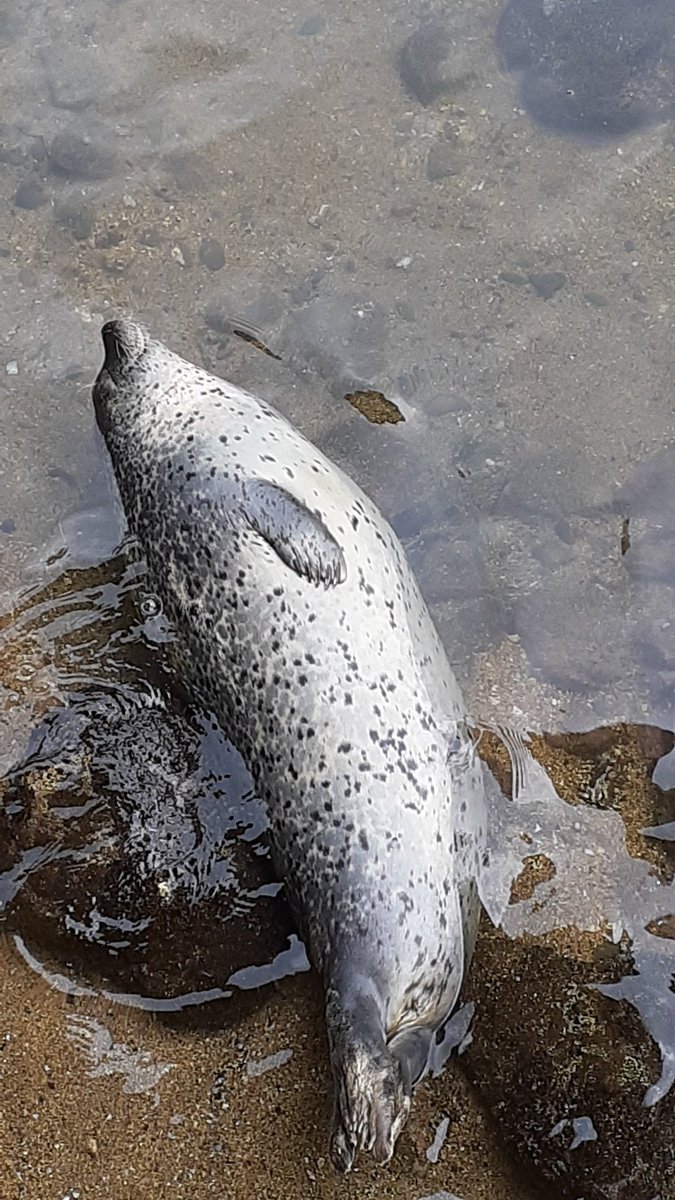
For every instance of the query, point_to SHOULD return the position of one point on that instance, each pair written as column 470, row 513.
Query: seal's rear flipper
column 372, row 1100
column 371, row 1105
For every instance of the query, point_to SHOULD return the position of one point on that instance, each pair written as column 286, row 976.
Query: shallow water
column 468, row 209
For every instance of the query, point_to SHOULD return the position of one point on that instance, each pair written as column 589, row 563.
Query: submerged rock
column 432, row 63
column 132, row 847
column 603, row 69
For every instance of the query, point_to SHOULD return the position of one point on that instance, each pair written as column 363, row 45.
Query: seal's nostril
column 124, row 342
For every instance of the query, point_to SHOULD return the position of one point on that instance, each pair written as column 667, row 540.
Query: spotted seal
column 301, row 625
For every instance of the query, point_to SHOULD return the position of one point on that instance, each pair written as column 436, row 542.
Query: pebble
column 79, row 156
column 312, row 26
column 513, row 277
column 430, row 65
column 29, row 195
column 596, row 299
column 547, row 283
column 211, row 254
column 443, row 161
column 411, row 521
column 12, row 367
column 405, row 310
column 151, row 238
column 73, row 78
column 8, row 526
column 77, row 217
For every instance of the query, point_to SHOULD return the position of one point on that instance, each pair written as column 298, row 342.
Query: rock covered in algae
column 131, row 846
column 573, row 1039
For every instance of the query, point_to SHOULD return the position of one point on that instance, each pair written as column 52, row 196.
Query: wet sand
column 211, row 1125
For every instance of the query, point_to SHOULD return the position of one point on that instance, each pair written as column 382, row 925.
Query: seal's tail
column 373, row 1086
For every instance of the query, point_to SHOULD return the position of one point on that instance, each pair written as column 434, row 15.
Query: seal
column 299, row 623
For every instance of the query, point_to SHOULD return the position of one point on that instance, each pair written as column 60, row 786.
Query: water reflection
column 128, row 815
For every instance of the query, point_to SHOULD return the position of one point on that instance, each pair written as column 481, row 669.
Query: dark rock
column 80, row 156
column 650, row 557
column 449, row 569
column 77, row 217
column 573, row 630
column 151, row 238
column 580, row 1089
column 410, row 521
column 431, row 64
column 189, row 171
column 547, row 283
column 596, row 299
column 30, row 195
column 514, row 278
column 602, row 70
column 8, row 525
column 312, row 26
column 108, row 239
column 150, row 862
column 443, row 160
column 211, row 254
column 73, row 76
column 579, row 1055
column 406, row 310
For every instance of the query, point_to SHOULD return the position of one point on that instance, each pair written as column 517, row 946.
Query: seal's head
column 126, row 346
column 124, row 342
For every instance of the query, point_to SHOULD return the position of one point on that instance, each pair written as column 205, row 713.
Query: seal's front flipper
column 298, row 535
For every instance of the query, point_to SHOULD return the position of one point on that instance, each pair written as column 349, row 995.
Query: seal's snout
column 124, row 343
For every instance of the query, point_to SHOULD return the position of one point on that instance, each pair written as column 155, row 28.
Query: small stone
column 29, row 195
column 12, row 367
column 211, row 254
column 92, row 1147
column 79, row 156
column 177, row 255
column 8, row 525
column 73, row 78
column 597, row 300
column 405, row 310
column 513, row 278
column 151, row 238
column 430, row 64
column 547, row 283
column 443, row 161
column 312, row 26
column 77, row 217
column 411, row 521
